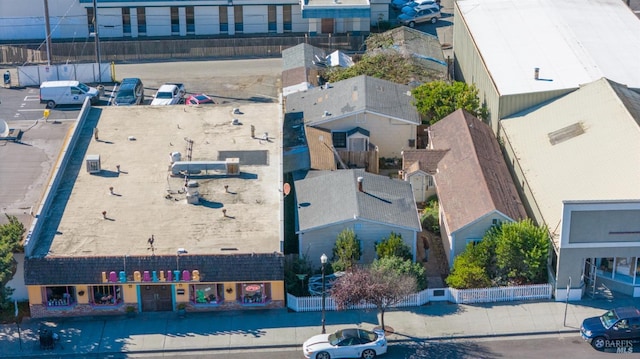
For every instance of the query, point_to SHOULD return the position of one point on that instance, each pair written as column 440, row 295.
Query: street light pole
column 323, row 260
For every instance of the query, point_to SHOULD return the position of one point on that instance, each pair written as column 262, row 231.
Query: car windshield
column 164, row 95
column 608, row 319
column 126, row 96
column 83, row 87
column 201, row 97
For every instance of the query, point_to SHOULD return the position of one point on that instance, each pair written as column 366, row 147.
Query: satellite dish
column 286, row 189
column 4, row 128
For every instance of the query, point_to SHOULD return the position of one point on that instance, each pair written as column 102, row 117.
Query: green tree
column 11, row 235
column 393, row 246
column 346, row 251
column 521, row 250
column 294, row 266
column 381, row 287
column 437, row 99
column 430, row 215
column 513, row 253
column 403, row 266
column 467, row 273
column 390, row 66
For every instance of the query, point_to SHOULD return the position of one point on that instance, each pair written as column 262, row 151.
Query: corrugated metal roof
column 473, row 179
column 572, row 42
column 600, row 164
column 328, row 197
column 354, row 95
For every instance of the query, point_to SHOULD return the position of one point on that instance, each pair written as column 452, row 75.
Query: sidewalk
column 224, row 331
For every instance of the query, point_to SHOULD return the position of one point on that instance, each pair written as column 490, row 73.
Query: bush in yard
column 346, row 251
column 393, row 246
column 403, row 267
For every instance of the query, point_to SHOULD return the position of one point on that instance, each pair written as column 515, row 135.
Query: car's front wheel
column 412, row 24
column 368, row 354
column 323, row 355
column 598, row 342
column 434, row 20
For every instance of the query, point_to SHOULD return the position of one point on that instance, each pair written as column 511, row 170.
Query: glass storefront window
column 106, row 295
column 605, row 267
column 207, row 293
column 624, row 269
column 254, row 293
column 59, row 296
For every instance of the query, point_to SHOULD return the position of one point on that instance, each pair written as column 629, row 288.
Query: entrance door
column 327, row 26
column 156, row 298
column 589, row 276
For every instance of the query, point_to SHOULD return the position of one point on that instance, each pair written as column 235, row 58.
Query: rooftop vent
column 360, row 180
column 326, row 114
column 93, row 164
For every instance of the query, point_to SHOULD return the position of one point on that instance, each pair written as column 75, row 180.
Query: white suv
column 169, row 94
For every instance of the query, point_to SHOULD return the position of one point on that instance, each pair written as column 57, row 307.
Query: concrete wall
column 316, row 242
column 25, row 20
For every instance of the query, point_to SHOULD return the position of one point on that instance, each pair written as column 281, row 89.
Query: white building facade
column 117, row 19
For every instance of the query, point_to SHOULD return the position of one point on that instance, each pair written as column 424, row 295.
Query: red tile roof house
column 474, row 186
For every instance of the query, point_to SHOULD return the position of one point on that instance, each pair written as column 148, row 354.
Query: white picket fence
column 501, row 294
column 460, row 296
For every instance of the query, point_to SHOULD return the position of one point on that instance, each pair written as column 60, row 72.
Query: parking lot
column 26, row 165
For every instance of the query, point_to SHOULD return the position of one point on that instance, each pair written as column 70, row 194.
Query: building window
column 175, row 20
column 207, row 293
column 191, row 22
column 59, row 296
column 224, row 19
column 106, row 295
column 339, row 139
column 142, row 21
column 429, row 181
column 90, row 20
column 625, row 269
column 271, row 11
column 126, row 21
column 605, row 267
column 359, row 144
column 254, row 293
column 286, row 18
column 237, row 17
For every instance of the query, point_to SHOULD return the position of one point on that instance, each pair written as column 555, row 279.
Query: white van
column 67, row 93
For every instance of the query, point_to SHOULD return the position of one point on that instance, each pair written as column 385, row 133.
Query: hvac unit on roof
column 93, row 163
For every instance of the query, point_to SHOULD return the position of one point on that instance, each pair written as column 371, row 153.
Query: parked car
column 198, row 99
column 169, row 94
column 606, row 330
column 419, row 4
column 131, row 92
column 346, row 343
column 399, row 4
column 414, row 17
column 67, row 93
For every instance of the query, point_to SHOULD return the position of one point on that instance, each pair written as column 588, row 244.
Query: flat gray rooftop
column 147, row 200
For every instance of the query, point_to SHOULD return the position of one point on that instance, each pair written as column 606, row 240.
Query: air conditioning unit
column 93, row 164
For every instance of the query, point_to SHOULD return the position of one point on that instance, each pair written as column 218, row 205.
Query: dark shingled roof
column 212, row 268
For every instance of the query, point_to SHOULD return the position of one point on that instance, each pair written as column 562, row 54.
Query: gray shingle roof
column 361, row 94
column 328, row 197
column 212, row 268
column 301, row 55
column 473, row 179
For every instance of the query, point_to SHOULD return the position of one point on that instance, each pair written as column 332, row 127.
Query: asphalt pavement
column 120, row 336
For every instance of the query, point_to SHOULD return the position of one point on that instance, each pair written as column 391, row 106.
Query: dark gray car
column 131, row 92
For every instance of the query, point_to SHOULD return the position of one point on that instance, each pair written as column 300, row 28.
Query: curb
column 286, row 346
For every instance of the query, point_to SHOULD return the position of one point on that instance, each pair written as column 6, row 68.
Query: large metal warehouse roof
column 572, row 42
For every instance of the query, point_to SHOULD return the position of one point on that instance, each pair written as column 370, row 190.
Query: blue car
column 619, row 327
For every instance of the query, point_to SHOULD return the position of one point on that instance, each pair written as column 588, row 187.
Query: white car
column 169, row 94
column 346, row 343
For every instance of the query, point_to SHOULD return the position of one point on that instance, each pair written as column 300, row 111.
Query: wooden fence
column 165, row 49
column 459, row 296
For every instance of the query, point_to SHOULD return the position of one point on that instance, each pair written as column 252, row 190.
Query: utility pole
column 95, row 31
column 47, row 31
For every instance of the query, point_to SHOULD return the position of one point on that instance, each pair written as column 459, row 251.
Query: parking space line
column 31, row 98
column 31, row 110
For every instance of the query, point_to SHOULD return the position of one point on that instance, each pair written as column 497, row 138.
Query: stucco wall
column 316, row 242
